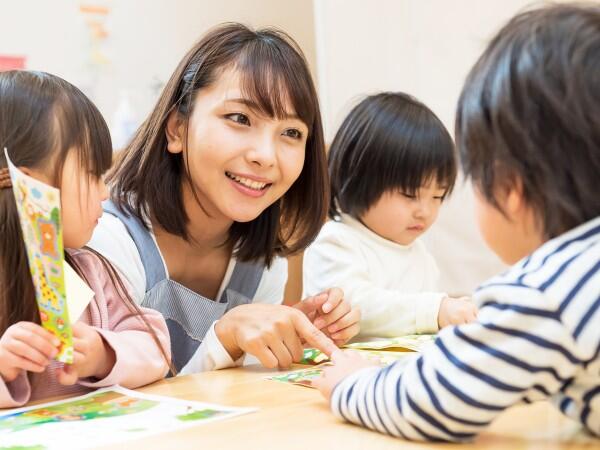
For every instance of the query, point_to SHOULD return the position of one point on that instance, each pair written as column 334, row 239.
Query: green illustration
column 101, row 405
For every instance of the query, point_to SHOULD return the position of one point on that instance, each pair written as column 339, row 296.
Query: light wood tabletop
column 291, row 417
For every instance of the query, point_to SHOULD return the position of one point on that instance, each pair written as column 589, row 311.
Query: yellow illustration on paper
column 39, row 214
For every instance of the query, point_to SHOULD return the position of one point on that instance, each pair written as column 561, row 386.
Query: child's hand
column 345, row 363
column 91, row 356
column 26, row 346
column 332, row 314
column 456, row 311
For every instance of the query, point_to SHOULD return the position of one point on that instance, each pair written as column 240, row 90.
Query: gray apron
column 188, row 314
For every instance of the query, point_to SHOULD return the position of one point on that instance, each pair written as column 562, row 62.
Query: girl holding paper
column 55, row 135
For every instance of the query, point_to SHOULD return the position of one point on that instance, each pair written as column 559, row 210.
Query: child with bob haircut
column 53, row 133
column 391, row 164
column 528, row 136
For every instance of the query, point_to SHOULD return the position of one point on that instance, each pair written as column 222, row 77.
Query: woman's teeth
column 247, row 182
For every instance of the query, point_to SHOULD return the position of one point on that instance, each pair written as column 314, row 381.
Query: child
column 527, row 130
column 55, row 134
column 391, row 164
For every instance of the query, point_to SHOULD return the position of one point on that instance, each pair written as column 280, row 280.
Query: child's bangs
column 81, row 126
column 428, row 157
column 276, row 83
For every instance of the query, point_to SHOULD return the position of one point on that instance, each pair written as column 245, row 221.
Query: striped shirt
column 537, row 337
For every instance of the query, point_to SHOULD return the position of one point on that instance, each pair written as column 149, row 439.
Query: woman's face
column 240, row 161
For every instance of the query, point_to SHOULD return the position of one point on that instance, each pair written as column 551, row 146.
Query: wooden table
column 293, row 417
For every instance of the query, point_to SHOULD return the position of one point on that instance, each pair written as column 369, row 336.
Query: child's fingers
column 341, row 309
column 26, row 351
column 81, row 345
column 334, row 297
column 347, row 333
column 352, row 318
column 338, row 356
column 38, row 330
column 311, row 305
column 21, row 363
column 78, row 358
column 44, row 343
column 67, row 376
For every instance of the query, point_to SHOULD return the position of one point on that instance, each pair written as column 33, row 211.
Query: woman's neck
column 207, row 228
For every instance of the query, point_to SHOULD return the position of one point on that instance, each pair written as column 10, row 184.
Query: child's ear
column 175, row 132
column 514, row 200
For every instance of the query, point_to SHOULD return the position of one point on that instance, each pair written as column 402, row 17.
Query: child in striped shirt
column 528, row 135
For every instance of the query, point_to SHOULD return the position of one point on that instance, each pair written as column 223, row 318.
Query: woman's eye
column 240, row 118
column 293, row 133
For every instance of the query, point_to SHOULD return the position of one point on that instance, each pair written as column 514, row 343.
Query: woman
column 226, row 177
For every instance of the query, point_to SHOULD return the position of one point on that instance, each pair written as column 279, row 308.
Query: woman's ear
column 175, row 132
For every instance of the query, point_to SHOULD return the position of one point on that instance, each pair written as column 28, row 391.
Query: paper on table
column 79, row 294
column 109, row 416
column 407, row 343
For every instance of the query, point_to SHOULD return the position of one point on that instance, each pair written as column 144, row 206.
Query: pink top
column 138, row 359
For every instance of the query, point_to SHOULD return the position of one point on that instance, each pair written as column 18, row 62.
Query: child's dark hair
column 148, row 180
column 42, row 119
column 529, row 113
column 388, row 142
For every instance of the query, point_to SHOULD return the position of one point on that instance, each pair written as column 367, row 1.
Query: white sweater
column 393, row 285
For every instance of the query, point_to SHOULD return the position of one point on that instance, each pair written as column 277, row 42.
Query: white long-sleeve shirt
column 114, row 242
column 537, row 336
column 395, row 286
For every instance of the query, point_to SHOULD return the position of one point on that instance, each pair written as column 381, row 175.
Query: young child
column 391, row 164
column 56, row 135
column 527, row 130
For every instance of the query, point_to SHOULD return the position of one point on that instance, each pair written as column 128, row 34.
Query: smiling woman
column 225, row 177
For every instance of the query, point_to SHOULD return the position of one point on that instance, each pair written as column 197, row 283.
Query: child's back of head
column 529, row 114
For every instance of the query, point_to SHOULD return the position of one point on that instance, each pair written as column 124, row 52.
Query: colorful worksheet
column 387, row 350
column 107, row 416
column 303, row 377
column 408, row 343
column 38, row 205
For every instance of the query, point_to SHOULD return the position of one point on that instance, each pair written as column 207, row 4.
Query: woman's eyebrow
column 251, row 104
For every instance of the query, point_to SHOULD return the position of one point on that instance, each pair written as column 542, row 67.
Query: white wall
column 425, row 48
column 146, row 39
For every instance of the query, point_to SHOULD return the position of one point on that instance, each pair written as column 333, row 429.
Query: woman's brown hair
column 147, row 181
column 42, row 119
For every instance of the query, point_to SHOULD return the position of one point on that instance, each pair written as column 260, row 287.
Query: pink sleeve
column 139, row 360
column 15, row 393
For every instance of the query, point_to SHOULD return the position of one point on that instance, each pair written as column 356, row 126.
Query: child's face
column 402, row 218
column 240, row 161
column 512, row 235
column 81, row 197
